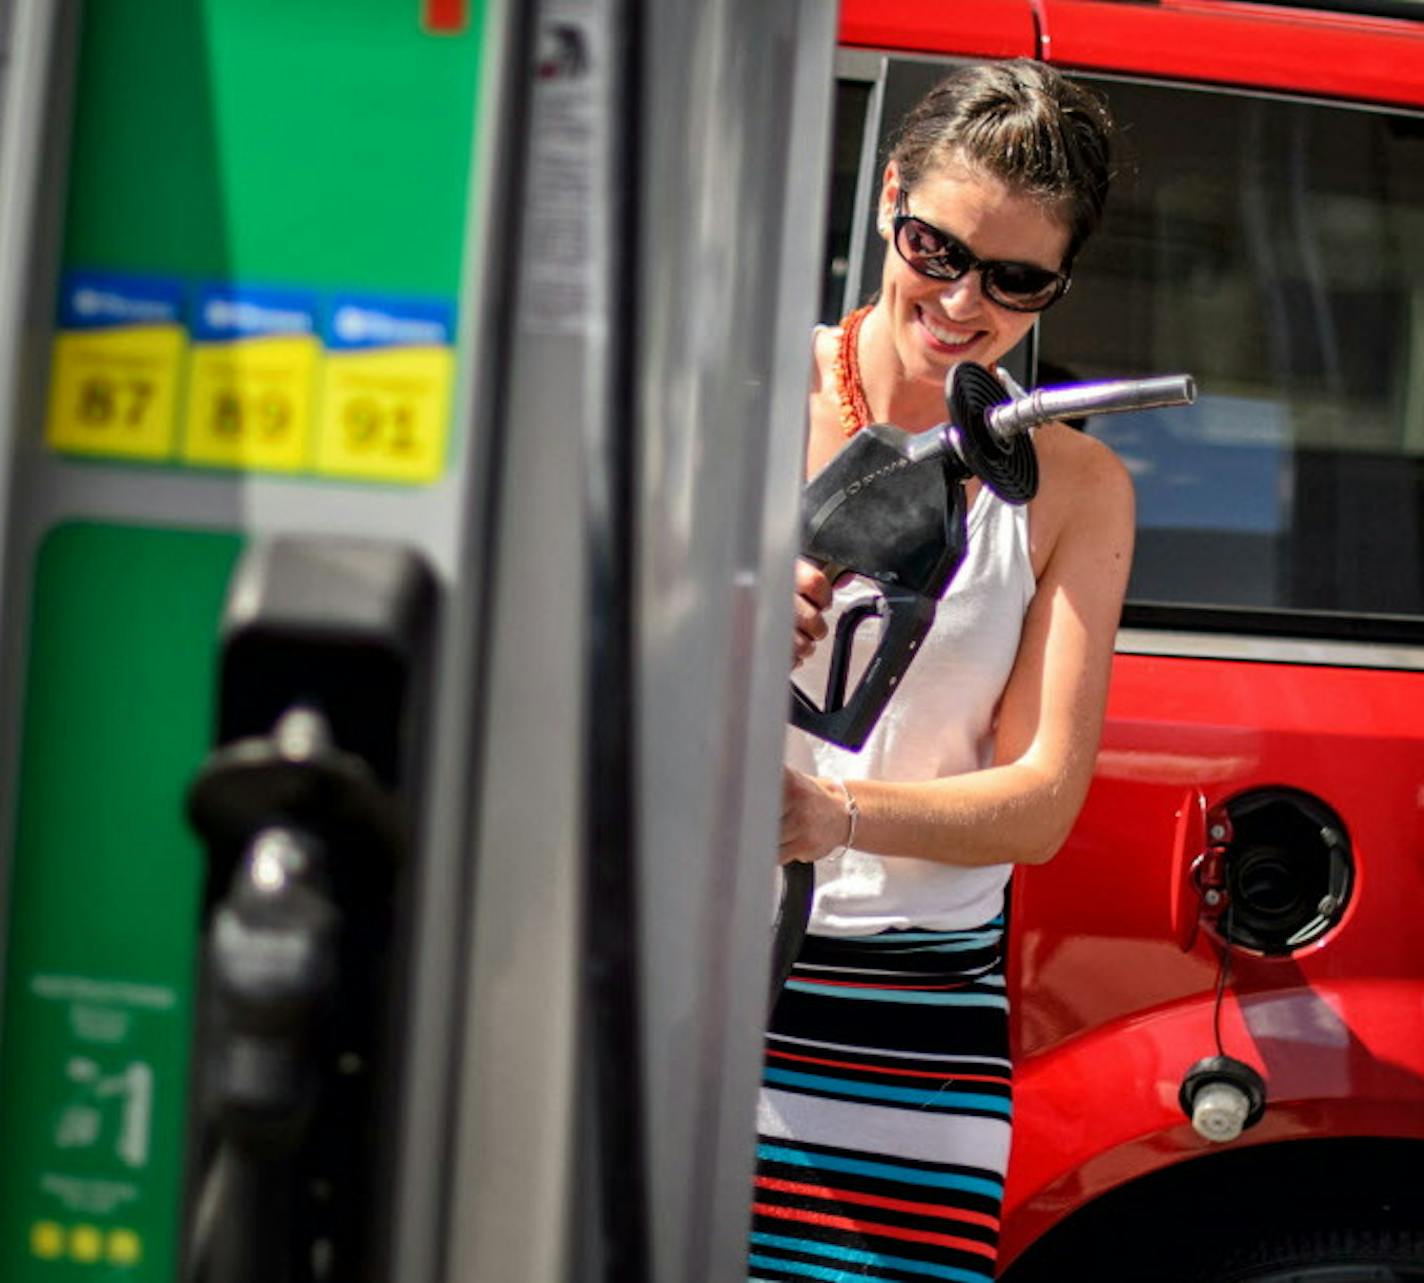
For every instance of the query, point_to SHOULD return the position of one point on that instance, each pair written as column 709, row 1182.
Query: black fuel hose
column 793, row 912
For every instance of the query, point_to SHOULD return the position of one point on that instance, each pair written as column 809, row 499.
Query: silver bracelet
column 852, row 810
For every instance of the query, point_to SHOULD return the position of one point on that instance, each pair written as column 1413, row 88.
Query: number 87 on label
column 116, row 366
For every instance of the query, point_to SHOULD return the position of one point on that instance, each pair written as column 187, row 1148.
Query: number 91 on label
column 384, row 414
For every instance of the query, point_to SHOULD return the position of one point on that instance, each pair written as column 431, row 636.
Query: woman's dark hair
column 1022, row 123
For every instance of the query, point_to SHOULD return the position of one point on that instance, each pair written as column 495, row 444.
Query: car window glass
column 1275, row 250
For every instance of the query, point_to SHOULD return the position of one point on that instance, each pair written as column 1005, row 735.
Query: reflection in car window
column 1275, row 250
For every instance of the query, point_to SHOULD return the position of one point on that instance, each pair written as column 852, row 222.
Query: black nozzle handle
column 847, row 720
column 1115, row 396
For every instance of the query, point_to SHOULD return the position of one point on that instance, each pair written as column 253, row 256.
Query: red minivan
column 1218, row 985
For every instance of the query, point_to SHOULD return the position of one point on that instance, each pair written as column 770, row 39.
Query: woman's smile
column 942, row 335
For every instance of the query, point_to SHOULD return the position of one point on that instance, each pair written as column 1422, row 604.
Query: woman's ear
column 889, row 195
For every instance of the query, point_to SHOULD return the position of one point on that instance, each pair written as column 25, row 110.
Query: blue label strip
column 224, row 312
column 102, row 300
column 219, row 313
column 354, row 322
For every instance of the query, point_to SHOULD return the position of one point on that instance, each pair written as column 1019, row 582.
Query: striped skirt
column 883, row 1126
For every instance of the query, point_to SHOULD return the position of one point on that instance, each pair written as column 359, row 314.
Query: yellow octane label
column 250, row 403
column 113, row 392
column 385, row 414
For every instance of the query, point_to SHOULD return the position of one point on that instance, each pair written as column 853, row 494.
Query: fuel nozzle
column 874, row 513
column 990, row 417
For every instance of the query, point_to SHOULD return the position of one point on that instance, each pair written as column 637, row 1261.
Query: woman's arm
column 1021, row 808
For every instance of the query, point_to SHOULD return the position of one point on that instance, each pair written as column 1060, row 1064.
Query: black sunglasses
column 933, row 252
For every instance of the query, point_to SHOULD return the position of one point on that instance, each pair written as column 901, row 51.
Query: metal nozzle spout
column 1024, row 410
column 1114, row 397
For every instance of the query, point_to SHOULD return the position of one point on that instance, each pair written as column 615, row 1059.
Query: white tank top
column 940, row 722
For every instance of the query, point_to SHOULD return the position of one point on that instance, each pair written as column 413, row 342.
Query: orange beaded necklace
column 855, row 410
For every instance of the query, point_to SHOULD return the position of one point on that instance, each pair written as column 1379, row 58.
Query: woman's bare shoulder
column 1080, row 467
column 1083, row 487
column 825, row 339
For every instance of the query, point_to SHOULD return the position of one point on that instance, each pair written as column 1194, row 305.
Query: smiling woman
column 966, row 294
column 887, row 1092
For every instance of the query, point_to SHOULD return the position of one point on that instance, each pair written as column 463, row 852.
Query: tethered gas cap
column 1222, row 1096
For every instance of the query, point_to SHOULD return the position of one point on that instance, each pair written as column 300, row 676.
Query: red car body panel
column 1251, row 45
column 1113, row 987
column 1258, row 46
column 1111, row 1011
column 980, row 28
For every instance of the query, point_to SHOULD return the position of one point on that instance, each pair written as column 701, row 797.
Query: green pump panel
column 256, row 230
column 98, row 996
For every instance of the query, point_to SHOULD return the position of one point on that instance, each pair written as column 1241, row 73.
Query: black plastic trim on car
column 1394, row 630
column 1409, row 10
column 1412, row 10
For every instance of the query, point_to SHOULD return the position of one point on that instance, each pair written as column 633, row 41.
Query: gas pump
column 308, row 830
column 399, row 465
column 218, row 350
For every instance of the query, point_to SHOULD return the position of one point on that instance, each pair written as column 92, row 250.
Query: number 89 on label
column 249, row 404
